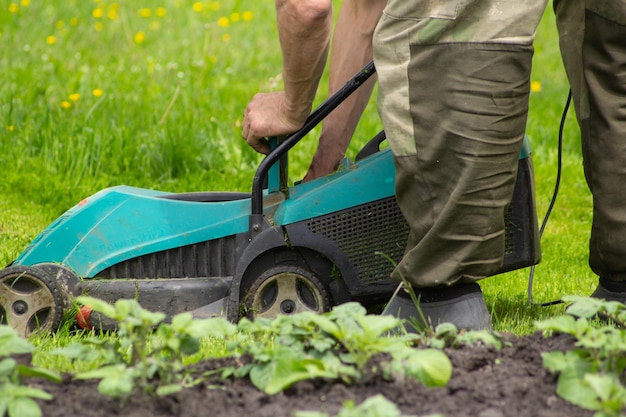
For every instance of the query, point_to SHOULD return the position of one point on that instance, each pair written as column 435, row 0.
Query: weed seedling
column 592, row 375
column 335, row 345
column 16, row 399
column 147, row 354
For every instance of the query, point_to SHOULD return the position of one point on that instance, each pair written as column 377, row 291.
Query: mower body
column 196, row 252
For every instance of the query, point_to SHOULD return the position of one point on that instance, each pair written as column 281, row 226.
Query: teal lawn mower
column 277, row 250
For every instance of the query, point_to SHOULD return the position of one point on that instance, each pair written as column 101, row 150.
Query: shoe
column 462, row 305
column 603, row 293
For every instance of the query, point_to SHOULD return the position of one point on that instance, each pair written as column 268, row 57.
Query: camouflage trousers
column 454, row 83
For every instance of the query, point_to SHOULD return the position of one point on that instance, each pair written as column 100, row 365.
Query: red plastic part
column 82, row 318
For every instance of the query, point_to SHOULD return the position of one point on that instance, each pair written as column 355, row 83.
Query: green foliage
column 592, row 375
column 446, row 335
column 16, row 399
column 336, row 345
column 140, row 357
column 376, row 406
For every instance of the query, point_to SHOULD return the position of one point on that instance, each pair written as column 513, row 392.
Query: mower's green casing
column 132, row 240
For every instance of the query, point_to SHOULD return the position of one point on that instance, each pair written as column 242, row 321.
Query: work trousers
column 454, row 82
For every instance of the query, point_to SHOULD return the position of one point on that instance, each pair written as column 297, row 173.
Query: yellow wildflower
column 97, row 92
column 247, row 15
column 140, row 37
column 51, row 40
column 97, row 13
column 145, row 12
column 223, row 22
column 25, row 3
column 160, row 12
column 535, row 86
column 14, row 8
column 74, row 96
column 214, row 6
column 197, row 6
column 235, row 17
column 66, row 104
column 10, row 128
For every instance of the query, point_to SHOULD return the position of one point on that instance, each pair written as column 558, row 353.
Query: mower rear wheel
column 30, row 300
column 286, row 289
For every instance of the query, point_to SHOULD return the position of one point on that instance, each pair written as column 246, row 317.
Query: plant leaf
column 7, row 366
column 429, row 366
column 34, row 372
column 98, row 305
column 563, row 324
column 11, row 343
column 19, row 391
column 572, row 387
column 165, row 390
column 285, row 369
column 216, row 327
column 23, row 407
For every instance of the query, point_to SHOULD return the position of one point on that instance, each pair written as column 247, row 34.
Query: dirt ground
column 485, row 383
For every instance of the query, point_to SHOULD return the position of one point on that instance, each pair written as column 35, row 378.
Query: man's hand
column 268, row 115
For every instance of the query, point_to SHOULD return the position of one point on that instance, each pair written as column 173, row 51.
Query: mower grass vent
column 370, row 235
column 214, row 258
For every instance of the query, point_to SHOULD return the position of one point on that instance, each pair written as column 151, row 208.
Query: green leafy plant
column 592, row 375
column 335, row 345
column 376, row 406
column 446, row 335
column 16, row 399
column 147, row 354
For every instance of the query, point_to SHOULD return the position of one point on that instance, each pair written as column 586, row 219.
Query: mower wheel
column 30, row 300
column 286, row 289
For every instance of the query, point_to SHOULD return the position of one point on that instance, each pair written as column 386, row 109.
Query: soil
column 486, row 382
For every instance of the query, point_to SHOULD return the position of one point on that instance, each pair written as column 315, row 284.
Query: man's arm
column 351, row 51
column 304, row 28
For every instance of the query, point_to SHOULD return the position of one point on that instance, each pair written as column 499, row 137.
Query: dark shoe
column 461, row 305
column 603, row 293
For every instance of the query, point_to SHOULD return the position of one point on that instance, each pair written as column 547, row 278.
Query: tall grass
column 151, row 94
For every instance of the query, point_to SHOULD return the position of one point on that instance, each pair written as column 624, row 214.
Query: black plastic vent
column 215, row 258
column 365, row 233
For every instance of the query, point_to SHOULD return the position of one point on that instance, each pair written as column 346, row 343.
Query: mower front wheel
column 284, row 290
column 30, row 300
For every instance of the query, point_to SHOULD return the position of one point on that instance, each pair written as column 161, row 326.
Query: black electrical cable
column 551, row 206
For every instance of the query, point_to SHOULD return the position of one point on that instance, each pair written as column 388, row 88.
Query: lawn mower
column 277, row 250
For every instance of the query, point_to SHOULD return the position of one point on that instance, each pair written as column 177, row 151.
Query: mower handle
column 316, row 117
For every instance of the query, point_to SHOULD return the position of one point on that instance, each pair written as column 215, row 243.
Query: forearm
column 304, row 28
column 351, row 51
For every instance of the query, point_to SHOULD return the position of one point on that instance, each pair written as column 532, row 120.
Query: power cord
column 551, row 206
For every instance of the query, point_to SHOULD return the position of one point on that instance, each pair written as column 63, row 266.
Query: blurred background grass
column 151, row 94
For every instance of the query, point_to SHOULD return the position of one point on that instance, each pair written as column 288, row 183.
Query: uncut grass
column 97, row 106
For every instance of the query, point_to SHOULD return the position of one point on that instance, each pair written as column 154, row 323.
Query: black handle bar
column 316, row 117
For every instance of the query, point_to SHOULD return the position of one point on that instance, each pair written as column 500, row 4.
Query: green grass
column 152, row 95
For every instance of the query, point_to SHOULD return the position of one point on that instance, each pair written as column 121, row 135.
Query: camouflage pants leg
column 593, row 44
column 453, row 97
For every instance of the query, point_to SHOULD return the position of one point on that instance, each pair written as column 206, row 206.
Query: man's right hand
column 267, row 115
